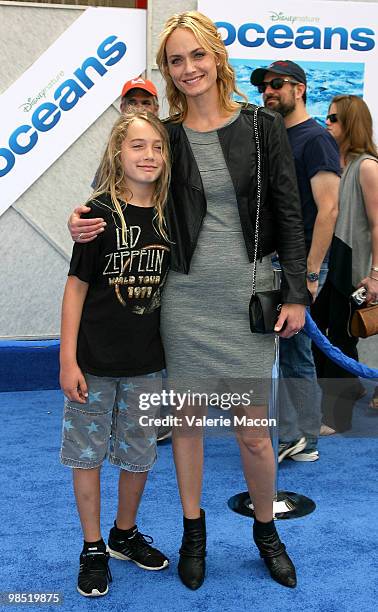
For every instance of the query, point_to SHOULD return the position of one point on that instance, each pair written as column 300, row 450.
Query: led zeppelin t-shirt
column 119, row 331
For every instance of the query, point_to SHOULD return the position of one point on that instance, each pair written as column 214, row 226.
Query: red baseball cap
column 139, row 83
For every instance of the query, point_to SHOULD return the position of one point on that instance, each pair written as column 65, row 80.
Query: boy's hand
column 73, row 384
column 84, row 230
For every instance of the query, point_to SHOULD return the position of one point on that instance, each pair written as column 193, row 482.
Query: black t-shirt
column 314, row 150
column 119, row 329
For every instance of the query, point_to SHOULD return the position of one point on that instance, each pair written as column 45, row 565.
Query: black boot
column 273, row 552
column 191, row 566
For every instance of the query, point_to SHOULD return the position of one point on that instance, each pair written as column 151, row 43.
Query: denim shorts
column 107, row 425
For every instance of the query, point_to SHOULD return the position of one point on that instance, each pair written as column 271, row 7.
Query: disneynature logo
column 66, row 94
column 41, row 95
column 280, row 16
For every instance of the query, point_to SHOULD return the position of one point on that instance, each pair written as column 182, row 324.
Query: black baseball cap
column 285, row 67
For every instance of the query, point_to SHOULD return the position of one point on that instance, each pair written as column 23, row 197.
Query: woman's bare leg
column 259, row 471
column 188, row 457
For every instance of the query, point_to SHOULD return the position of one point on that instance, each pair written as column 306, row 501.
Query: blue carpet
column 29, row 365
column 333, row 549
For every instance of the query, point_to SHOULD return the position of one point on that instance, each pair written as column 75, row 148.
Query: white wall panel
column 32, row 278
column 35, row 245
column 25, row 33
column 40, row 222
column 49, row 201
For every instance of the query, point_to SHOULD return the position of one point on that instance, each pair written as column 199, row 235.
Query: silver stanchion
column 286, row 504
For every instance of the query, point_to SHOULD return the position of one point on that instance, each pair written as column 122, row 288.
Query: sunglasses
column 332, row 118
column 276, row 83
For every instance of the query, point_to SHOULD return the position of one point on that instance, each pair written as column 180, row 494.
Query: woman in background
column 354, row 254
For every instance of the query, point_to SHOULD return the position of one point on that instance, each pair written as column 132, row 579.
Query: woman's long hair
column 209, row 38
column 357, row 124
column 111, row 176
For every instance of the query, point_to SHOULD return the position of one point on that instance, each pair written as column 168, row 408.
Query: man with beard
column 283, row 85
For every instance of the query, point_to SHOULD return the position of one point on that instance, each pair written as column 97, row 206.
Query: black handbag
column 264, row 310
column 264, row 306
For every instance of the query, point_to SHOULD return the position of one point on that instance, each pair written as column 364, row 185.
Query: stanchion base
column 287, row 505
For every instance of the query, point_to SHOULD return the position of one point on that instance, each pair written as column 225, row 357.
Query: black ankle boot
column 191, row 566
column 273, row 552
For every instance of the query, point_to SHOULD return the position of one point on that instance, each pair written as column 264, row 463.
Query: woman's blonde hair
column 111, row 176
column 357, row 124
column 209, row 38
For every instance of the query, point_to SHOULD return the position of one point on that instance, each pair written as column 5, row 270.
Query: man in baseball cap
column 285, row 67
column 139, row 94
column 282, row 95
column 283, row 87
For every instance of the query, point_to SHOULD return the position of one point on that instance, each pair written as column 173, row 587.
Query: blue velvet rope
column 334, row 353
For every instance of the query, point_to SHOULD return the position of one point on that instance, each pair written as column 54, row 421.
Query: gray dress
column 205, row 323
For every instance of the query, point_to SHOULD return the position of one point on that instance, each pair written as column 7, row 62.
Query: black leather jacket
column 281, row 224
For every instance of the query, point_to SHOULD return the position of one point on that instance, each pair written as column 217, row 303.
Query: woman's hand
column 294, row 316
column 73, row 383
column 371, row 287
column 84, row 230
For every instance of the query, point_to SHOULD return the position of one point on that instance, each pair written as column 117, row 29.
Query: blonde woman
column 110, row 344
column 211, row 218
column 353, row 259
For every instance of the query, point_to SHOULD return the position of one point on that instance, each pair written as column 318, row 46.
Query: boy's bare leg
column 125, row 541
column 87, row 492
column 130, row 490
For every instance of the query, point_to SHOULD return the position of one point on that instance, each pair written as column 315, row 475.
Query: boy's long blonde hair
column 111, row 177
column 209, row 38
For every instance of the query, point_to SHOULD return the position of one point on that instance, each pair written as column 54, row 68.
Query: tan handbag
column 364, row 322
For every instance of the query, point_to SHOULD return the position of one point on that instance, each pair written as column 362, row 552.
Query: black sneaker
column 288, row 449
column 136, row 548
column 164, row 433
column 94, row 573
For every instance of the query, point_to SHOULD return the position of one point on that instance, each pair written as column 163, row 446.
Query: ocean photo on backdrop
column 324, row 80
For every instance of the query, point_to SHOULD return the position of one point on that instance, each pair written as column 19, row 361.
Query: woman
column 354, row 253
column 211, row 214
